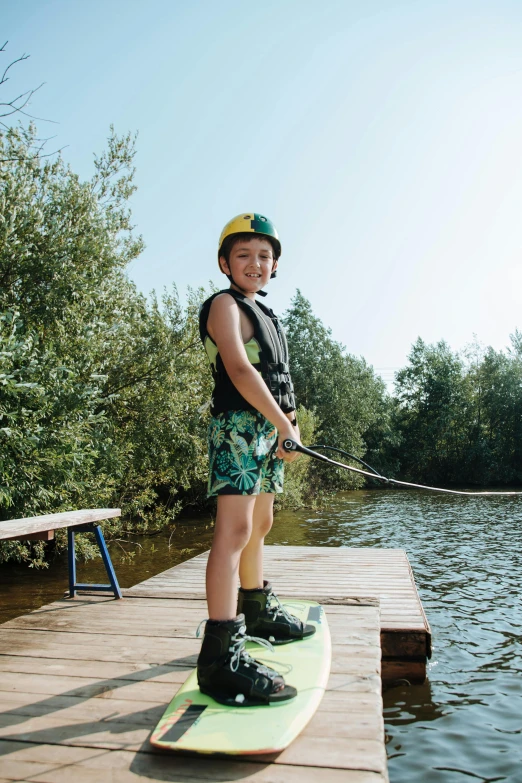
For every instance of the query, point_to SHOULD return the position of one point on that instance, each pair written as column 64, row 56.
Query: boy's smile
column 251, row 263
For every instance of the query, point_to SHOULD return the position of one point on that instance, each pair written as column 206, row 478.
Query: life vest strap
column 278, row 367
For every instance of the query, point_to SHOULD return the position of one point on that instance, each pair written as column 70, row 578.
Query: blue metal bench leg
column 102, row 546
column 71, row 560
column 107, row 562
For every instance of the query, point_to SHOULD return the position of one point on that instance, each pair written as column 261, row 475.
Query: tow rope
column 291, row 445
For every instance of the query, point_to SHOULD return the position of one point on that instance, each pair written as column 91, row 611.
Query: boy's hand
column 283, row 434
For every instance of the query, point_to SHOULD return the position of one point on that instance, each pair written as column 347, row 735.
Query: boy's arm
column 224, row 326
column 293, row 417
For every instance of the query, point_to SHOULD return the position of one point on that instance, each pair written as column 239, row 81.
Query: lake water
column 464, row 725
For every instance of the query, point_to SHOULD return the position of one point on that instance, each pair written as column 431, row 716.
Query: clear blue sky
column 384, row 139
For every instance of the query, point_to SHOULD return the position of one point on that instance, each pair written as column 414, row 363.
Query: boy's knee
column 235, row 535
column 241, row 535
column 264, row 525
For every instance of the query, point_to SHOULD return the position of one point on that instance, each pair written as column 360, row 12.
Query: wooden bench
column 86, row 521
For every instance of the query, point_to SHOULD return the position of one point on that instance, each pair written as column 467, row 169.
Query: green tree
column 431, row 414
column 61, row 251
column 101, row 391
column 495, row 439
column 342, row 391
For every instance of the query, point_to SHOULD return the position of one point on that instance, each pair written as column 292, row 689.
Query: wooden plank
column 365, row 724
column 405, row 643
column 290, row 578
column 113, row 734
column 115, row 618
column 61, row 667
column 154, row 598
column 29, row 525
column 182, row 623
column 360, row 692
column 94, row 647
column 20, row 709
column 85, row 688
column 337, row 752
column 344, row 572
column 59, row 763
column 43, row 535
column 178, row 651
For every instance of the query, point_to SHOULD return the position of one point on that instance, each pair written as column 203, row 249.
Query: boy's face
column 251, row 263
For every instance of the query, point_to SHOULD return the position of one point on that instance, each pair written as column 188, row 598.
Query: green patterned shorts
column 241, row 450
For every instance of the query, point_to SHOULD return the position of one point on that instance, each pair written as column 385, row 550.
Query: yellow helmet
column 251, row 223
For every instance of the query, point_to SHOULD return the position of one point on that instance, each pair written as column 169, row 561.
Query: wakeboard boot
column 228, row 674
column 267, row 618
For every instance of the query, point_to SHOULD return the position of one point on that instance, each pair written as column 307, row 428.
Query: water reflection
column 410, row 703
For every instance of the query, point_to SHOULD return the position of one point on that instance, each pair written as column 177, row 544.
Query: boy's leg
column 234, row 521
column 264, row 615
column 251, row 561
column 225, row 670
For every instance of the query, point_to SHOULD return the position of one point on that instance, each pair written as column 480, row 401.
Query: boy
column 253, row 412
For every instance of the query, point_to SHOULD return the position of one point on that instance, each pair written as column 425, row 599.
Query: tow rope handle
column 292, row 445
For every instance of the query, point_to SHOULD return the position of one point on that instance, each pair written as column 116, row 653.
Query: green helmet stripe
column 261, row 225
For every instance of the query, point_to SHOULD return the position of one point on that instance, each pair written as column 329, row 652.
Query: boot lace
column 237, row 648
column 276, row 609
column 239, row 654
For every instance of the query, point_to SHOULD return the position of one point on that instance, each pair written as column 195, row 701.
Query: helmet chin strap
column 258, row 293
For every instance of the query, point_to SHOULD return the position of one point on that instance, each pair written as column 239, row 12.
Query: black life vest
column 267, row 351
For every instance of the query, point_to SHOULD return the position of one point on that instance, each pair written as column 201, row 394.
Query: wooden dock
column 83, row 682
